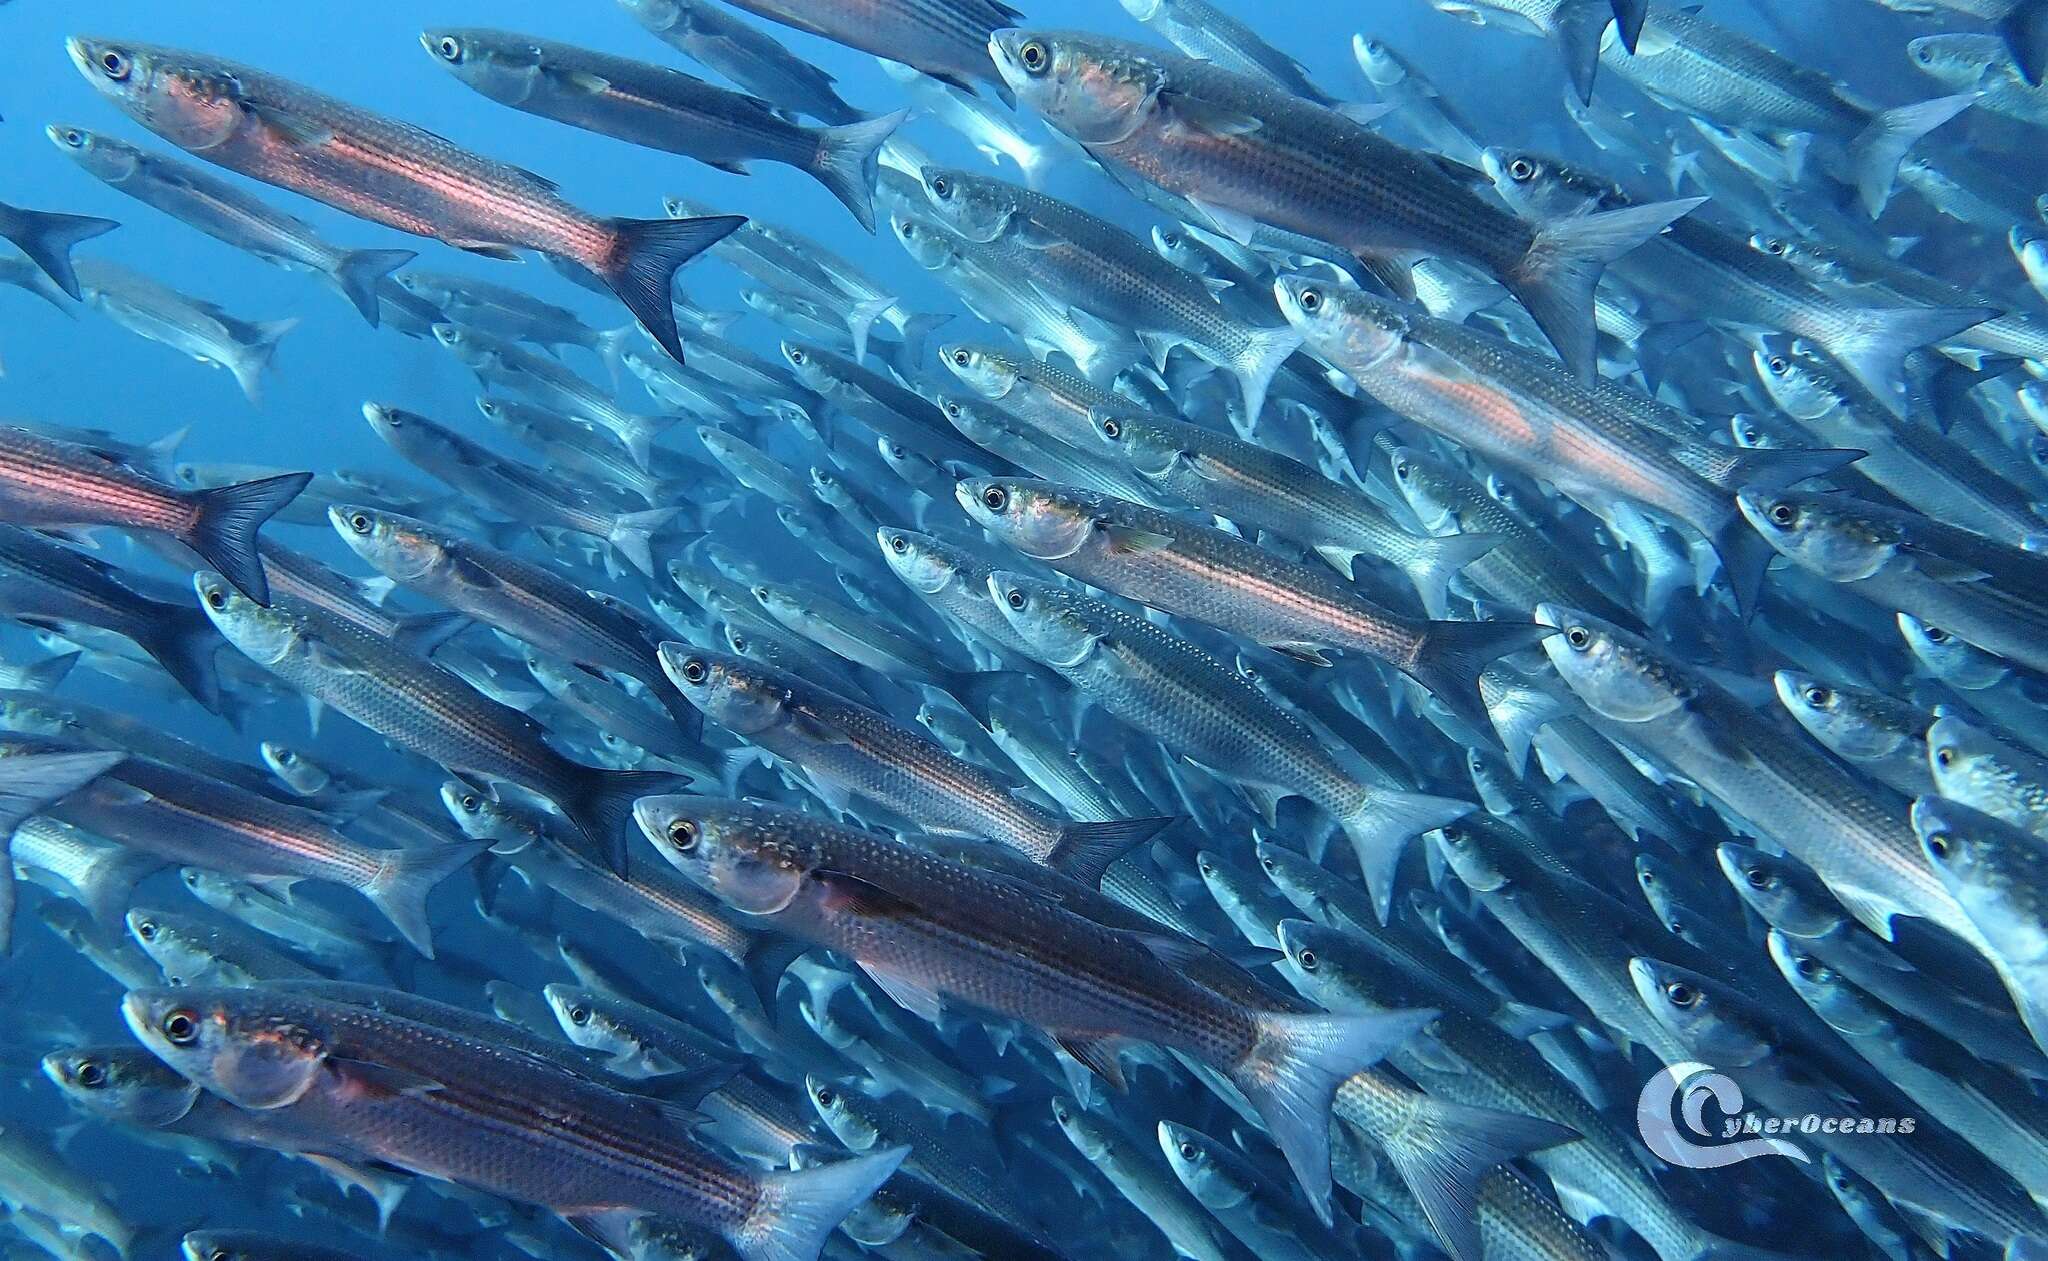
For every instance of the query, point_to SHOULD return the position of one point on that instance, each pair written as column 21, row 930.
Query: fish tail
column 252, row 357
column 848, row 158
column 1292, row 1073
column 1265, row 351
column 1745, row 555
column 421, row 633
column 108, row 885
column 860, row 322
column 798, row 1210
column 225, row 527
column 1437, row 560
column 1629, row 16
column 1776, row 468
column 31, row 784
column 975, row 691
column 687, row 717
column 602, row 809
column 185, row 648
column 45, row 676
column 1873, row 343
column 1578, row 26
column 638, row 436
column 1453, row 654
column 1380, row 829
column 1877, row 150
column 1555, row 279
column 47, row 239
column 633, row 534
column 2025, row 31
column 401, row 885
column 1444, row 1150
column 767, row 957
column 1086, row 850
column 357, row 273
column 646, row 254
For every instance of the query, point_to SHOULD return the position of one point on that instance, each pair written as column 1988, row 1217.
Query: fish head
column 264, row 635
column 750, row 857
column 121, row 1083
column 985, row 370
column 1777, row 889
column 1150, row 448
column 1096, row 89
column 1083, row 1131
column 1617, row 675
column 1037, row 519
column 1424, row 484
column 506, row 68
column 810, row 364
column 1818, row 534
column 655, row 15
column 1347, row 324
column 182, row 954
column 1972, row 766
column 189, row 100
column 838, row 1106
column 300, row 773
column 1963, row 846
column 1048, row 617
column 1322, row 962
column 1199, row 1163
column 1381, row 65
column 1950, row 657
column 1794, row 378
column 1959, row 60
column 583, row 1020
column 1698, row 1013
column 1297, row 879
column 398, row 547
column 1857, row 725
column 229, row 1042
column 1472, row 854
column 110, row 159
column 979, row 424
column 229, row 1245
column 1537, row 185
column 1831, row 995
column 923, row 563
column 930, row 245
column 974, row 206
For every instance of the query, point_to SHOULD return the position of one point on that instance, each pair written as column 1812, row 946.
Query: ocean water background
column 87, row 371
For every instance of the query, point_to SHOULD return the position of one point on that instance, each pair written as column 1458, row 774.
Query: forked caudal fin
column 1380, row 830
column 798, row 1210
column 224, row 528
column 1555, row 279
column 1453, row 654
column 847, row 160
column 646, row 254
column 1086, row 850
column 1879, row 148
column 47, row 239
column 252, row 356
column 1292, row 1073
column 1265, row 351
column 1873, row 343
column 602, row 810
column 400, row 887
column 185, row 647
column 633, row 534
column 1445, row 1150
column 358, row 273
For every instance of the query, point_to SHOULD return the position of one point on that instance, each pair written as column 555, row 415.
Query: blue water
column 89, row 372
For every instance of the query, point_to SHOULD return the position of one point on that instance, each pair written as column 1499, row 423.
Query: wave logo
column 1671, row 1111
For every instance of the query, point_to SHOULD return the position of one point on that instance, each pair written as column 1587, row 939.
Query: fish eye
column 1775, row 246
column 92, row 1074
column 1751, row 434
column 359, row 522
column 683, row 835
column 1033, row 57
column 146, row 929
column 1171, row 240
column 1936, row 635
column 1452, row 834
column 579, row 1015
column 953, row 411
column 960, row 358
column 1579, row 638
column 942, row 186
column 827, row 1096
column 116, row 65
column 1681, row 994
column 216, row 599
column 1015, row 599
column 996, row 498
column 1110, row 427
column 1522, row 170
column 898, row 544
column 1311, row 300
column 1784, row 514
column 1306, row 960
column 797, row 357
column 694, row 670
column 1188, row 1151
column 1819, row 697
column 288, row 757
column 1268, row 864
column 181, row 1027
column 1810, row 968
column 1939, row 844
column 1924, row 55
column 471, row 804
column 449, row 47
column 1757, row 878
column 1779, row 365
column 739, row 643
column 1945, row 756
column 1401, row 470
column 75, row 138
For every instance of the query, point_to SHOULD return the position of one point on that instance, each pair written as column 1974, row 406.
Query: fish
column 223, row 211
column 1228, row 142
column 251, row 1245
column 291, row 136
column 745, row 55
column 662, row 109
column 408, row 699
column 822, row 882
column 448, row 1128
column 946, row 39
column 46, row 239
column 48, row 482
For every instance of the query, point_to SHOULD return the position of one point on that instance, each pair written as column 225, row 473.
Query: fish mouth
column 1002, row 46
